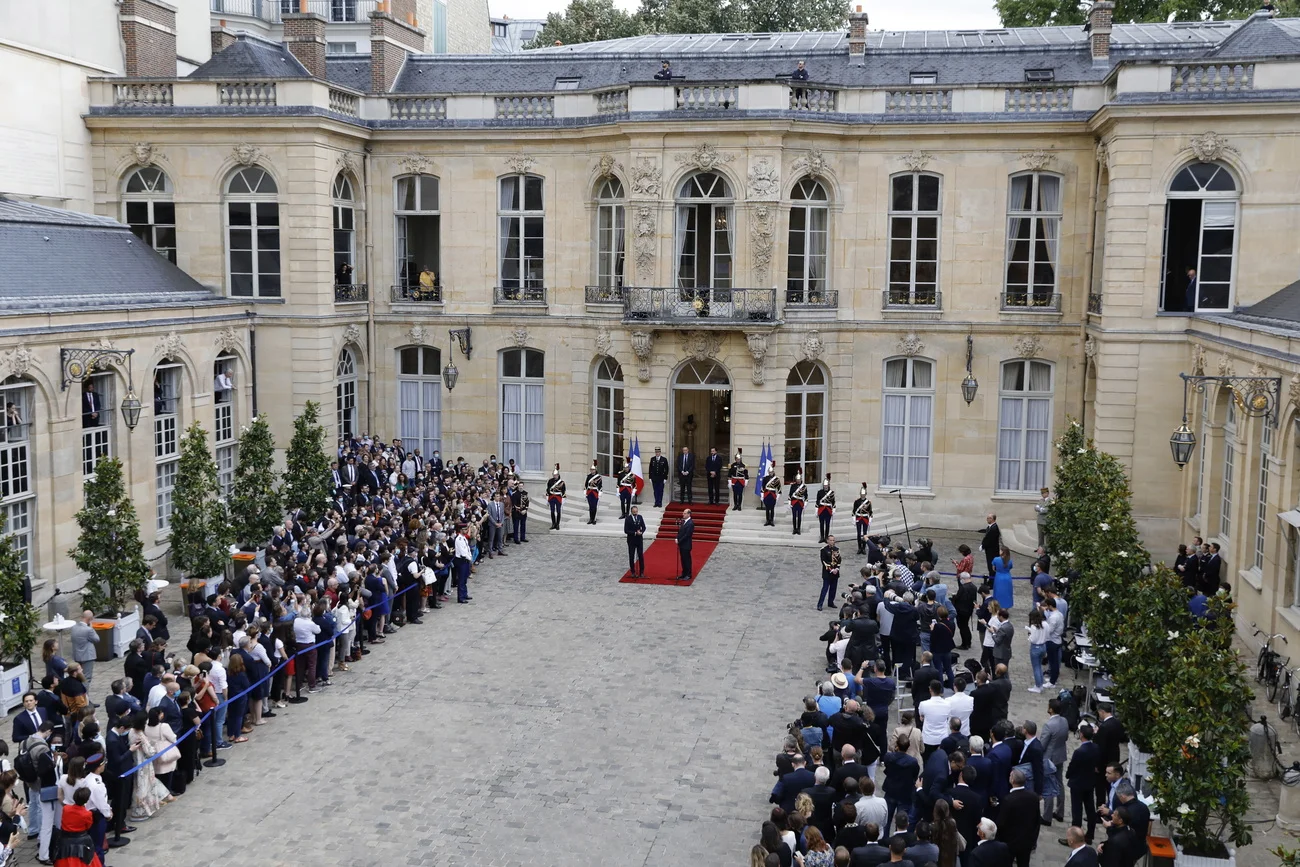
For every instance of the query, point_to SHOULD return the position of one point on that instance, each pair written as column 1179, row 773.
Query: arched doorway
column 702, row 410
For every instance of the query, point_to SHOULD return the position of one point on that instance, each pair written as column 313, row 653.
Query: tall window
column 607, row 417
column 1201, row 490
column 522, row 237
column 905, row 434
column 96, row 422
column 150, row 211
column 1024, row 425
column 345, row 393
column 806, row 261
column 345, row 233
column 419, row 398
column 166, row 442
column 610, row 217
column 419, row 231
column 1200, row 237
column 343, row 10
column 1229, row 470
column 17, row 493
column 223, row 422
column 523, row 424
column 1261, row 512
column 914, row 204
column 253, row 234
column 805, row 421
column 704, row 234
column 1033, row 238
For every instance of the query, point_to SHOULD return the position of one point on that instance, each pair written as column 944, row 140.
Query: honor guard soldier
column 825, row 509
column 862, row 517
column 519, row 514
column 658, row 475
column 555, row 496
column 738, row 473
column 771, row 490
column 798, row 496
column 626, row 485
column 594, row 483
column 830, row 572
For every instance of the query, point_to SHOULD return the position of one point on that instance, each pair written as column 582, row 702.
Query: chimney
column 392, row 38
column 1099, row 26
column 857, row 36
column 222, row 37
column 148, row 38
column 304, row 36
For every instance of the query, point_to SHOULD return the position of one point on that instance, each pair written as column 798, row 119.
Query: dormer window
column 925, row 78
column 1040, row 75
column 567, row 83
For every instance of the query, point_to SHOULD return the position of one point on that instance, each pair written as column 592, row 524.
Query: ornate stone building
column 732, row 257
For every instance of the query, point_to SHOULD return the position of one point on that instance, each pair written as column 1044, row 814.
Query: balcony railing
column 15, row 432
column 525, row 107
column 143, row 93
column 417, row 107
column 1094, row 303
column 815, row 298
column 1213, row 78
column 245, row 93
column 343, row 102
column 334, row 11
column 1036, row 302
column 722, row 306
column 918, row 101
column 521, row 296
column 604, row 295
column 911, row 299
column 418, row 294
column 707, row 97
column 612, row 102
column 1035, row 100
column 348, row 292
column 815, row 99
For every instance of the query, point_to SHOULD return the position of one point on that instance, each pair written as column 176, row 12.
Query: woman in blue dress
column 1002, row 591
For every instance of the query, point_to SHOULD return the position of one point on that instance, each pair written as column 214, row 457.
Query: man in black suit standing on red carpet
column 685, row 536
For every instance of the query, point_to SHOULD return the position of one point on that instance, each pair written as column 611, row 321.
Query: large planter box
column 124, row 631
column 1137, row 761
column 11, row 687
column 1184, row 860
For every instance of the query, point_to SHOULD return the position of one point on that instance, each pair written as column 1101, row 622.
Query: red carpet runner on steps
column 662, row 564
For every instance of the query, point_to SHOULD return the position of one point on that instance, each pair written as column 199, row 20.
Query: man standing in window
column 1191, row 290
column 89, row 406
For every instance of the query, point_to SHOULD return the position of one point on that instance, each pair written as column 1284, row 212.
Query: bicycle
column 1284, row 700
column 1267, row 664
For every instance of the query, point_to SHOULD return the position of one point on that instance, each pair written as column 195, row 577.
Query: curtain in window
column 817, row 249
column 731, row 244
column 534, row 428
column 1021, row 199
column 895, row 374
column 918, row 439
column 1049, row 199
column 1010, row 433
column 619, row 220
column 893, row 439
column 512, row 422
column 431, row 435
column 1036, row 444
column 408, row 396
column 1040, row 377
column 680, row 229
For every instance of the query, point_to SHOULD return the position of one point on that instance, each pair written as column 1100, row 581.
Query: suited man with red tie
column 685, row 538
column 90, row 406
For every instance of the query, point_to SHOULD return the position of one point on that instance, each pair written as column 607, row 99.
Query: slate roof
column 349, row 70
column 56, row 260
column 1259, row 37
column 1283, row 305
column 251, row 56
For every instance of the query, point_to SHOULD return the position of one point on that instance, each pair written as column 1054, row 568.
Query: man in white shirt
column 871, row 807
column 1054, row 620
column 934, row 718
column 158, row 691
column 217, row 676
column 464, row 557
column 961, row 703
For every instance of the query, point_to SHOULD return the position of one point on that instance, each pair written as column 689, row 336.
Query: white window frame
column 611, row 234
column 1226, row 491
column 528, row 393
column 264, row 191
column 717, row 197
column 1040, row 218
column 607, row 421
column 345, row 392
column 406, row 277
column 800, row 383
column 1014, row 446
column 909, row 466
column 155, row 188
column 811, row 200
column 419, row 422
column 97, row 442
column 344, row 214
column 166, row 438
column 343, row 12
column 1266, row 433
column 1206, row 197
column 910, row 291
column 529, row 280
column 225, row 426
column 17, row 488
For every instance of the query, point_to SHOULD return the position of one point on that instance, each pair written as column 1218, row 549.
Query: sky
column 890, row 15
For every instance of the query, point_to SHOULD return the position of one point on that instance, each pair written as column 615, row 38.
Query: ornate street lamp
column 80, row 364
column 462, row 338
column 449, row 375
column 969, row 387
column 1254, row 396
column 131, row 409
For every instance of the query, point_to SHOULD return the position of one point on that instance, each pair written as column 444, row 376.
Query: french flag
column 636, row 465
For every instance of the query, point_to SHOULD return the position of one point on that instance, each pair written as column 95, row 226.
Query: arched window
column 224, row 422
column 419, row 238
column 704, row 234
column 522, row 240
column 166, row 437
column 607, row 417
column 97, row 421
column 915, row 202
column 1266, row 434
column 1024, row 425
column 345, row 393
column 150, row 211
column 806, row 260
column 345, row 232
column 805, row 421
column 17, row 493
column 1200, row 238
column 523, row 420
column 1033, row 239
column 253, row 234
column 610, row 219
column 905, row 436
column 1226, row 490
column 419, row 398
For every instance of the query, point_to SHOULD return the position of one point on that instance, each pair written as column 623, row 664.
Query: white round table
column 58, row 625
column 155, row 584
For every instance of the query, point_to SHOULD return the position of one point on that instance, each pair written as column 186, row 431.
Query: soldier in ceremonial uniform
column 738, row 473
column 862, row 517
column 830, row 573
column 593, row 484
column 634, row 529
column 520, row 513
column 798, row 496
column 626, row 485
column 825, row 508
column 555, row 496
column 771, row 490
column 658, row 475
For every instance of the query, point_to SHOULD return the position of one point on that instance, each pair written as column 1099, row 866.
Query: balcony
column 911, row 299
column 803, row 304
column 347, row 293
column 603, row 296
column 15, row 432
column 417, row 293
column 699, row 306
column 270, row 11
column 1094, row 303
column 517, row 296
column 818, row 99
column 1022, row 301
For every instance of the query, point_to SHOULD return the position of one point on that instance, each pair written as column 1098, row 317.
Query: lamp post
column 969, row 386
column 449, row 376
column 80, row 364
column 1254, row 396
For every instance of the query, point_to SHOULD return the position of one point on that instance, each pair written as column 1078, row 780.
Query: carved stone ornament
column 1258, row 371
column 520, row 164
column 352, row 334
column 1090, row 348
column 813, row 346
column 604, row 340
column 1295, row 389
column 347, row 163
column 1028, row 346
column 642, row 345
column 1037, row 160
column 416, row 164
column 705, row 158
column 1210, row 146
column 418, row 334
column 757, row 342
column 1198, row 359
column 917, row 160
column 701, row 345
column 605, row 166
column 764, row 180
column 246, row 154
column 17, row 361
column 170, row 346
column 519, row 336
column 760, row 233
column 228, row 339
column 645, row 244
column 142, row 153
column 1225, row 366
column 645, row 178
column 814, row 163
column 909, row 344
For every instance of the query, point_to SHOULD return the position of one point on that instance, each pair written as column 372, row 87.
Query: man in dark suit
column 634, row 529
column 348, row 474
column 1019, row 819
column 713, row 474
column 117, row 749
column 1081, row 854
column 921, row 679
column 29, row 719
column 872, row 854
column 985, row 701
column 992, row 542
column 91, row 407
column 1002, row 682
column 936, row 776
column 658, row 475
column 823, row 798
column 1110, row 734
column 1032, row 754
column 989, row 851
column 849, row 767
column 1121, row 846
column 849, row 729
column 1081, row 779
column 788, row 787
column 145, row 632
column 863, row 630
column 1002, row 758
column 685, row 475
column 1211, row 571
column 1139, row 814
column 685, row 538
column 967, row 809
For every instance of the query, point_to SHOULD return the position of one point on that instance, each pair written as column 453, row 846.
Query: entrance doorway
column 702, row 412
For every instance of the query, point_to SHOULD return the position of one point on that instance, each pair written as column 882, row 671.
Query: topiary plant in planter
column 307, row 471
column 201, row 531
column 255, row 505
column 109, row 549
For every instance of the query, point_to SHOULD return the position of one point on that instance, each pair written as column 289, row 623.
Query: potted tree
column 19, row 624
column 110, row 553
column 307, row 467
column 200, row 526
column 255, row 503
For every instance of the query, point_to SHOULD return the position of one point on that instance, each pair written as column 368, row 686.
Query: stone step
column 1021, row 538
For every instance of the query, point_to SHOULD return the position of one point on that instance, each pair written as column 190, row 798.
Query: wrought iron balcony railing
column 1035, row 302
column 604, row 294
column 347, row 292
column 523, row 295
column 1094, row 303
column 705, row 305
column 418, row 293
column 819, row 298
column 911, row 299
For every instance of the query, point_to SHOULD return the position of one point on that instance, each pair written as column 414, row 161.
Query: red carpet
column 662, row 563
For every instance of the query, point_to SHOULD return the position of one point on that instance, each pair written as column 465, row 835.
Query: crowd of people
column 400, row 533
column 895, row 760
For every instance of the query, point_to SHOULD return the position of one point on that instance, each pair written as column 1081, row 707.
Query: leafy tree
column 307, row 472
column 109, row 549
column 255, row 503
column 20, row 622
column 587, row 21
column 592, row 20
column 1037, row 13
column 788, row 16
column 201, row 531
